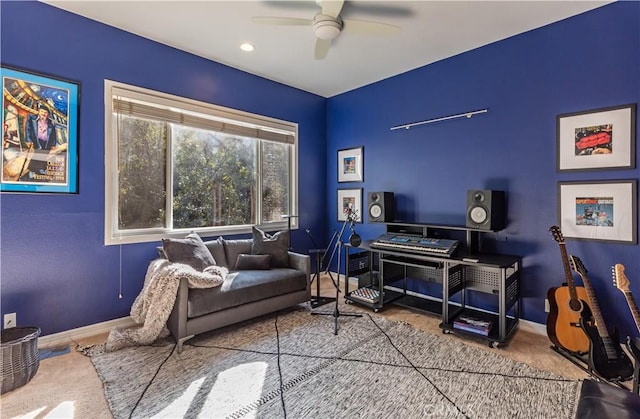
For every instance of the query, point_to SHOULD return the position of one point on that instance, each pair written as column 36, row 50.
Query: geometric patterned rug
column 291, row 365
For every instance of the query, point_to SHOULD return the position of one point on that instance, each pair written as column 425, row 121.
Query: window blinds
column 219, row 119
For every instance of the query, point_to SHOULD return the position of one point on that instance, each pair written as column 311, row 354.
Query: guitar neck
column 633, row 307
column 595, row 308
column 567, row 272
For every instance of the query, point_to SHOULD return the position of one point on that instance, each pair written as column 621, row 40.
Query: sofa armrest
column 302, row 263
column 177, row 321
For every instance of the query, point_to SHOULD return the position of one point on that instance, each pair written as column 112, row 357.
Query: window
column 174, row 165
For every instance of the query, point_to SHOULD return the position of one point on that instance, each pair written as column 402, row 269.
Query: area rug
column 292, row 365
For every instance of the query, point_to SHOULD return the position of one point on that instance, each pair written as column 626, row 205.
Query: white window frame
column 263, row 125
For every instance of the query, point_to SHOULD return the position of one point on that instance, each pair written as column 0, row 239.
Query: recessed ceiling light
column 246, row 47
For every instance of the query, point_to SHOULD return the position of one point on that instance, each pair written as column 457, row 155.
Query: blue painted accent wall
column 56, row 272
column 586, row 62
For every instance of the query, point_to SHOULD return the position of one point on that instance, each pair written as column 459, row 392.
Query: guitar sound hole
column 575, row 305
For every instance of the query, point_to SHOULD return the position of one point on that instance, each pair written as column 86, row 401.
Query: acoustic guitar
column 606, row 356
column 566, row 306
column 621, row 282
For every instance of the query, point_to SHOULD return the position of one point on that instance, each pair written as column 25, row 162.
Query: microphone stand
column 338, row 248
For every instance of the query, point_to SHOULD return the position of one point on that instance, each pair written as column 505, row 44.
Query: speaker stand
column 473, row 242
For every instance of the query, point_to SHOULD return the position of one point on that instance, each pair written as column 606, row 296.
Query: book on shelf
column 369, row 295
column 473, row 324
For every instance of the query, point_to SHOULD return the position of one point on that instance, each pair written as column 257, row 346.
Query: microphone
column 354, row 239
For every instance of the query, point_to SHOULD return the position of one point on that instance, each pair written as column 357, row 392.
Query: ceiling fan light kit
column 326, row 27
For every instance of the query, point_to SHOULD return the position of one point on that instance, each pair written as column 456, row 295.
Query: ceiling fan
column 327, row 25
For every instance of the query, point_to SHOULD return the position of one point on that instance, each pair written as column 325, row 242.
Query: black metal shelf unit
column 387, row 272
column 498, row 275
column 364, row 266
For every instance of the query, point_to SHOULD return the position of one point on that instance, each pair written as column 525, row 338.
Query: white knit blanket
column 153, row 305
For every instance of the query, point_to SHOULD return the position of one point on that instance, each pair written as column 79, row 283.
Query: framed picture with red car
column 597, row 139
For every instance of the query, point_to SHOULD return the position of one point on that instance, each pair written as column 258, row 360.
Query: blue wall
column 56, row 272
column 586, row 62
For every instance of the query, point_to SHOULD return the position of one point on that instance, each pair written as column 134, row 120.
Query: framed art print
column 599, row 210
column 350, row 200
column 597, row 139
column 350, row 165
column 39, row 133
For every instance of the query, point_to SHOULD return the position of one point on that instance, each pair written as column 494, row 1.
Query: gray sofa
column 248, row 291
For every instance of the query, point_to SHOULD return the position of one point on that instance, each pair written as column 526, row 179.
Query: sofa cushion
column 190, row 251
column 242, row 287
column 249, row 262
column 276, row 245
column 216, row 247
column 233, row 248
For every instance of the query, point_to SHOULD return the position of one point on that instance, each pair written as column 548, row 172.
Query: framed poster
column 350, row 202
column 350, row 165
column 39, row 133
column 600, row 210
column 598, row 139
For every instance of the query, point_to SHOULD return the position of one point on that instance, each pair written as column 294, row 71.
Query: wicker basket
column 20, row 356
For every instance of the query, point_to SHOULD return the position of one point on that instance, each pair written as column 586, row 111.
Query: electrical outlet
column 9, row 320
column 546, row 305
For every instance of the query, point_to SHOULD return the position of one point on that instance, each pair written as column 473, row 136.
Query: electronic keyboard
column 416, row 244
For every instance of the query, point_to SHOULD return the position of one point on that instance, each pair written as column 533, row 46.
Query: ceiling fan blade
column 322, row 48
column 286, row 21
column 291, row 4
column 331, row 7
column 369, row 28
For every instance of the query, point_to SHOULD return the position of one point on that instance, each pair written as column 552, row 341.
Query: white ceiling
column 431, row 31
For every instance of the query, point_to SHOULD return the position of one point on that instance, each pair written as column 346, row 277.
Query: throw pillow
column 253, row 262
column 276, row 245
column 191, row 251
column 216, row 247
column 232, row 248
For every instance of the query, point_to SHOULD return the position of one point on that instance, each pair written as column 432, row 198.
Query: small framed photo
column 351, row 165
column 350, row 202
column 597, row 139
column 39, row 133
column 599, row 210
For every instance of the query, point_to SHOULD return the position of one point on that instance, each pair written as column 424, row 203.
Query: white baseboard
column 533, row 327
column 73, row 335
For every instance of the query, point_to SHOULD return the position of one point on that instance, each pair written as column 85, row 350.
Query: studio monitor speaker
column 486, row 210
column 381, row 207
